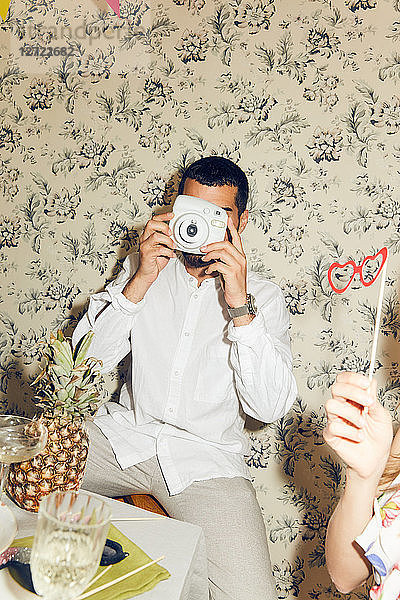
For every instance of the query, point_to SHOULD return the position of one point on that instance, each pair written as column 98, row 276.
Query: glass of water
column 69, row 540
column 20, row 439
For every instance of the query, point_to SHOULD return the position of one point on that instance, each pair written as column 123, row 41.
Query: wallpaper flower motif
column 100, row 115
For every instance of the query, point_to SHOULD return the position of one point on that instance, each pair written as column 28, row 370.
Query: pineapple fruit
column 67, row 392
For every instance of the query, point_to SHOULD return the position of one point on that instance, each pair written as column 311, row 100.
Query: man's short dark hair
column 216, row 170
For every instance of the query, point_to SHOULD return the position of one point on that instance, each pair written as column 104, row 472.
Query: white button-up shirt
column 194, row 374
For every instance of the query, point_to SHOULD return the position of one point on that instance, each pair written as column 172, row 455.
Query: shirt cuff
column 247, row 334
column 121, row 303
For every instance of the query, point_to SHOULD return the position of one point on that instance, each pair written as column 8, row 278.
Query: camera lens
column 191, row 230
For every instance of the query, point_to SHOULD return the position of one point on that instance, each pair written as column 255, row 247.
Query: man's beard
column 195, row 261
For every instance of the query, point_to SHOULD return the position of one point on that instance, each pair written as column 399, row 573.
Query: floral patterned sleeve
column 380, row 541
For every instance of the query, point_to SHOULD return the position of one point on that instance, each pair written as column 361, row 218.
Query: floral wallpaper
column 98, row 118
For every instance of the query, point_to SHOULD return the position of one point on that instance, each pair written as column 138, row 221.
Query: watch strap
column 248, row 309
column 240, row 311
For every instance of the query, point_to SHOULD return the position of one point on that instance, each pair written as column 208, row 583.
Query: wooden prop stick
column 377, row 324
column 138, row 518
column 98, row 576
column 107, row 585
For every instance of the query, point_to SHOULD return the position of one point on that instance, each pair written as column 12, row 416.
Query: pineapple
column 67, row 393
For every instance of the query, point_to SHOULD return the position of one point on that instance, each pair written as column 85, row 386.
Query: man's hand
column 231, row 264
column 156, row 247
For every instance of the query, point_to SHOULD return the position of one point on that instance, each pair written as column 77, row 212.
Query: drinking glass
column 69, row 540
column 20, row 439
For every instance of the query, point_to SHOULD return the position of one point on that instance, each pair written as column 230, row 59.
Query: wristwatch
column 249, row 308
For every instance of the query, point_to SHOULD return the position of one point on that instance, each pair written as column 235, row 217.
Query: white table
column 182, row 544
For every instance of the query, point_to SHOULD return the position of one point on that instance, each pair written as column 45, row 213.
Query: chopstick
column 107, row 585
column 138, row 518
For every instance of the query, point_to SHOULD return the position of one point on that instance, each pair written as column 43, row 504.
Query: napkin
column 131, row 586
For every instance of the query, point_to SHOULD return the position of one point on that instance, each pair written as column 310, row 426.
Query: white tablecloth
column 182, row 544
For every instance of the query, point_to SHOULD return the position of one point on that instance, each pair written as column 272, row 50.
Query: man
column 202, row 356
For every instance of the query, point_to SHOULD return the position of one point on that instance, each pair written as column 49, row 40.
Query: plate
column 8, row 527
column 11, row 590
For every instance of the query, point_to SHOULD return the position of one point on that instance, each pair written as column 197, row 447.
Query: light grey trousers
column 225, row 508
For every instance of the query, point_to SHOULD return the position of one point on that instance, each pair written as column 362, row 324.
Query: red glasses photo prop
column 357, row 269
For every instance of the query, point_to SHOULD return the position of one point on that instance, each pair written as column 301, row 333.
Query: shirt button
column 177, row 373
column 187, row 333
column 170, row 410
column 196, row 296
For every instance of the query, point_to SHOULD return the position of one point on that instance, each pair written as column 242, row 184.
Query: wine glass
column 69, row 540
column 20, row 439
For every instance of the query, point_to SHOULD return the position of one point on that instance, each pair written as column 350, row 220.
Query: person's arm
column 111, row 313
column 110, row 316
column 363, row 442
column 262, row 362
column 260, row 355
column 345, row 559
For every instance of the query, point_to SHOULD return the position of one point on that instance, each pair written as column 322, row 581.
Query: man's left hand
column 231, row 263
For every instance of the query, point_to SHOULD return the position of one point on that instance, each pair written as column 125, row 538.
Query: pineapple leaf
column 70, row 389
column 57, row 371
column 69, row 384
column 82, row 347
column 41, row 375
column 60, row 336
column 62, row 354
column 85, row 397
column 62, row 395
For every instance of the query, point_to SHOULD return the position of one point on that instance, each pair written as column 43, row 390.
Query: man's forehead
column 223, row 195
